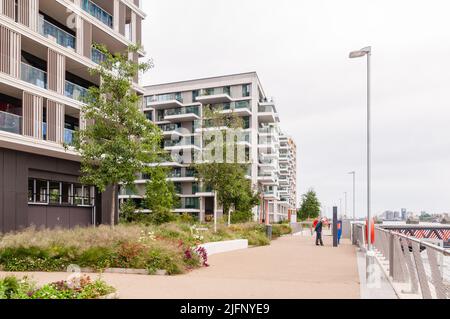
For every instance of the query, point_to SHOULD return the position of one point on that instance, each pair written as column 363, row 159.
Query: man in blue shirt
column 318, row 230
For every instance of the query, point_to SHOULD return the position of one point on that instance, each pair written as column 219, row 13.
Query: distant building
column 404, row 214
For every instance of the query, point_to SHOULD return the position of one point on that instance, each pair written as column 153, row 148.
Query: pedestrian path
column 291, row 267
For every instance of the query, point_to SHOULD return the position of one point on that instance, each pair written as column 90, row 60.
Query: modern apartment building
column 46, row 50
column 177, row 108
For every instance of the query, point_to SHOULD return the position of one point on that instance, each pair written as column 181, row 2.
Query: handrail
column 446, row 252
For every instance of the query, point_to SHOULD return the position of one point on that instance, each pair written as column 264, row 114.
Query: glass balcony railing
column 97, row 12
column 182, row 142
column 33, row 75
column 44, row 131
column 11, row 123
column 68, row 136
column 165, row 98
column 97, row 56
column 169, row 127
column 182, row 110
column 215, row 91
column 62, row 37
column 75, row 91
column 188, row 203
column 265, row 108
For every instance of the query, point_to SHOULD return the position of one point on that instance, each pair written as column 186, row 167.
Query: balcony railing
column 189, row 203
column 169, row 127
column 182, row 142
column 62, row 37
column 182, row 110
column 68, row 136
column 165, row 98
column 75, row 91
column 97, row 56
column 215, row 91
column 97, row 12
column 33, row 75
column 11, row 123
column 265, row 108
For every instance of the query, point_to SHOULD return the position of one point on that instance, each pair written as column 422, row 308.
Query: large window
column 59, row 193
column 246, row 88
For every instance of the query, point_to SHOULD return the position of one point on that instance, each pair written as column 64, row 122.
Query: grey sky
column 300, row 51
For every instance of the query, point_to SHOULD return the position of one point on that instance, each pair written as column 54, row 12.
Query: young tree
column 118, row 139
column 226, row 178
column 310, row 206
column 160, row 195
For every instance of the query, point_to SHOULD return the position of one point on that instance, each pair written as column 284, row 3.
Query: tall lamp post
column 354, row 195
column 367, row 51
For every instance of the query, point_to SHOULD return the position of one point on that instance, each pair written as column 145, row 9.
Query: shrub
column 241, row 217
column 280, row 230
column 81, row 288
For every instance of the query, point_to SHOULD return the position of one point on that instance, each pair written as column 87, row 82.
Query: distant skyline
column 300, row 51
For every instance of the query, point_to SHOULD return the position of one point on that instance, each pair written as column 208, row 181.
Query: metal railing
column 415, row 267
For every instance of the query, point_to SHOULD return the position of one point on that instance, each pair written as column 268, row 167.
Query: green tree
column 118, row 139
column 310, row 206
column 160, row 195
column 227, row 179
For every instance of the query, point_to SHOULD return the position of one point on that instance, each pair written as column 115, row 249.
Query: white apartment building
column 177, row 108
column 46, row 50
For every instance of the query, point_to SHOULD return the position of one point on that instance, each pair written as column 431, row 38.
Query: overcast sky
column 299, row 48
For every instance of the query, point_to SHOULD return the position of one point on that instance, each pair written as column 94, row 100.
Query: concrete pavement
column 291, row 267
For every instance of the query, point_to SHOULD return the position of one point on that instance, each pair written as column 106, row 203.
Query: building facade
column 46, row 50
column 178, row 109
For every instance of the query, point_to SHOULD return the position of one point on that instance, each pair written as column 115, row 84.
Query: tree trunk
column 113, row 206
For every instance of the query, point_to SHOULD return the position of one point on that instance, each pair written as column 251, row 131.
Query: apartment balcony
column 97, row 12
column 214, row 96
column 271, row 195
column 97, row 56
column 33, row 75
column 188, row 204
column 241, row 108
column 69, row 136
column 75, row 91
column 283, row 180
column 190, row 113
column 267, row 177
column 170, row 130
column 267, row 113
column 178, row 176
column 202, row 191
column 63, row 38
column 11, row 123
column 171, row 100
column 184, row 143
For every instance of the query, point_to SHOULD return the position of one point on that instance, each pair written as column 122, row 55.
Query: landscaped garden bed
column 169, row 248
column 78, row 288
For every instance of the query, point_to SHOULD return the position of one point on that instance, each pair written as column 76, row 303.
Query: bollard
column 269, row 231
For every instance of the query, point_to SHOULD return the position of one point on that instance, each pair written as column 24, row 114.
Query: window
column 55, row 192
column 246, row 88
column 195, row 94
column 59, row 193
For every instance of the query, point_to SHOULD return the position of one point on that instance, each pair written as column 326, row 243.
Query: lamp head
column 360, row 53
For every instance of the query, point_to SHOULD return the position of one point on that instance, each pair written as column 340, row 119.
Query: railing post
column 391, row 255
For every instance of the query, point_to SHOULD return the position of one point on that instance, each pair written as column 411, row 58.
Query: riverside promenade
column 291, row 267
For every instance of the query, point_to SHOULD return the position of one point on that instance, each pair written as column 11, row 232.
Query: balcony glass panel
column 97, row 12
column 75, row 91
column 182, row 110
column 165, row 98
column 62, row 37
column 97, row 56
column 33, row 75
column 68, row 136
column 215, row 91
column 10, row 123
column 265, row 108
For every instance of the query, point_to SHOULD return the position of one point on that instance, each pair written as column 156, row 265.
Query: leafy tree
column 118, row 140
column 160, row 196
column 227, row 179
column 310, row 206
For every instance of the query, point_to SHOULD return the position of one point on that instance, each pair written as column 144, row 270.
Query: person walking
column 318, row 230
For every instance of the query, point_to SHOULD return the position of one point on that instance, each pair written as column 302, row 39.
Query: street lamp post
column 354, row 195
column 367, row 51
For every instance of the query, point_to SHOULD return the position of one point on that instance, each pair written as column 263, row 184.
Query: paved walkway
column 291, row 267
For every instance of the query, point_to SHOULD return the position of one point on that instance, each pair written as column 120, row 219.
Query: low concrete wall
column 225, row 246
